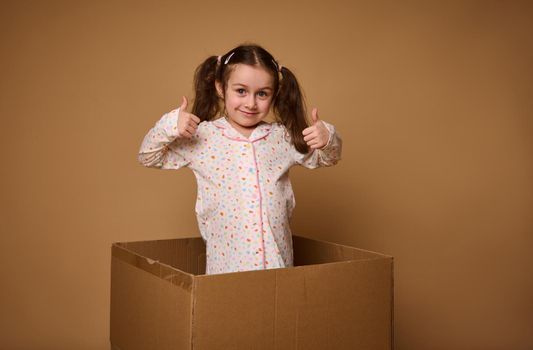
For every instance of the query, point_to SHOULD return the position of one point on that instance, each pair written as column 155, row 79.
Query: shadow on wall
column 328, row 207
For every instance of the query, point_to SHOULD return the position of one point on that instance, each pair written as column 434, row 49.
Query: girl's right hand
column 187, row 122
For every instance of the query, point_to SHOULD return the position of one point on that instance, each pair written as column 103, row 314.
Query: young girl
column 241, row 162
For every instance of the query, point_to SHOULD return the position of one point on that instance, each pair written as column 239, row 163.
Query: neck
column 243, row 130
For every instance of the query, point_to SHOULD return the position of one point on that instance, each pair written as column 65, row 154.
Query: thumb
column 314, row 115
column 184, row 104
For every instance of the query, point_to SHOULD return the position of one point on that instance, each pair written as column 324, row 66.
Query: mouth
column 249, row 114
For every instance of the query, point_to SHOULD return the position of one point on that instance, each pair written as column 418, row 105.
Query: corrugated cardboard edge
column 343, row 246
column 193, row 306
column 172, row 275
column 392, row 303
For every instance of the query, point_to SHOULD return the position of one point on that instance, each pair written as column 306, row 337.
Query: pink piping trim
column 258, row 185
column 260, row 205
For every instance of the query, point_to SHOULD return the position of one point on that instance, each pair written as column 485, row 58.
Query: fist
column 187, row 122
column 317, row 135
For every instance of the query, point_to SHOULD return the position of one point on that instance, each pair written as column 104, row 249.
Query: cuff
column 331, row 131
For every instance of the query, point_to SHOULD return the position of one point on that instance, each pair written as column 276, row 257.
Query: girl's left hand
column 317, row 135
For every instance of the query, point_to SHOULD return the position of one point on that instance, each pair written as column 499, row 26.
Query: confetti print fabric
column 245, row 198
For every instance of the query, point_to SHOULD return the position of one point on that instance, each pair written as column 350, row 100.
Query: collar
column 260, row 131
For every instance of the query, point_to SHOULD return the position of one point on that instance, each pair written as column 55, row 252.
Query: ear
column 218, row 86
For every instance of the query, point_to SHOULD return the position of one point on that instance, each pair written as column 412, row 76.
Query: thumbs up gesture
column 187, row 122
column 317, row 135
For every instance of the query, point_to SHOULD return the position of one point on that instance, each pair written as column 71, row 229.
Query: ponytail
column 290, row 108
column 206, row 104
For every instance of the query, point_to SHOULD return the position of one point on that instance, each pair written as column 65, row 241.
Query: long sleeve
column 327, row 156
column 161, row 147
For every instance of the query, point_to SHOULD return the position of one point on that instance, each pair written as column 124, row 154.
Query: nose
column 251, row 102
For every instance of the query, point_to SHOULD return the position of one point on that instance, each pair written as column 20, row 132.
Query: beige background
column 433, row 100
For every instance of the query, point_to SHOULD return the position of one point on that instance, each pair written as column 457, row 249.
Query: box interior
column 188, row 254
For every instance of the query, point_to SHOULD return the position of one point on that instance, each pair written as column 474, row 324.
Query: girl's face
column 248, row 96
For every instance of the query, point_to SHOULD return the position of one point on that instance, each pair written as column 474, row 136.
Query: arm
column 161, row 146
column 170, row 143
column 328, row 155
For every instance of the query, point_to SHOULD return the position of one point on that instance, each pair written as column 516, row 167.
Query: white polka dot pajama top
column 245, row 197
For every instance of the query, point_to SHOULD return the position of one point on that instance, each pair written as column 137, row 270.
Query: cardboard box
column 335, row 297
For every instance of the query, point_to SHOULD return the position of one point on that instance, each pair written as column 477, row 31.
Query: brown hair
column 288, row 104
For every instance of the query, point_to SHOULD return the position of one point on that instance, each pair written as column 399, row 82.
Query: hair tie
column 278, row 66
column 227, row 59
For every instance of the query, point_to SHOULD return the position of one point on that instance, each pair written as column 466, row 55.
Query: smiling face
column 248, row 96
